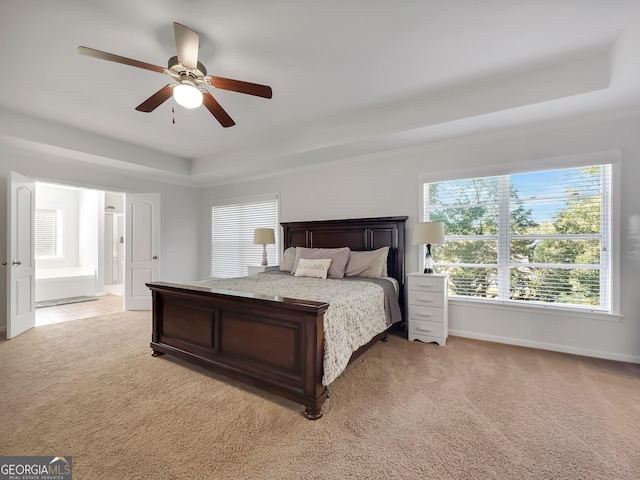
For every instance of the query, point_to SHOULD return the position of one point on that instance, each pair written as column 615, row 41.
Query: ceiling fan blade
column 92, row 52
column 216, row 110
column 240, row 86
column 157, row 99
column 187, row 44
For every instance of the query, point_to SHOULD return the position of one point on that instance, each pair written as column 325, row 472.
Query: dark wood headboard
column 357, row 234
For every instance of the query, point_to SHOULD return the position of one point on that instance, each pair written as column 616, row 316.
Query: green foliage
column 481, row 218
column 581, row 215
column 471, row 208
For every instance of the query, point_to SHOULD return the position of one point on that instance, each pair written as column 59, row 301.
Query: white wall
column 115, row 200
column 387, row 184
column 90, row 227
column 179, row 222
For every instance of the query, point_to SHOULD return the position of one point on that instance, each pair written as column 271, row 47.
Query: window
column 232, row 226
column 541, row 237
column 48, row 233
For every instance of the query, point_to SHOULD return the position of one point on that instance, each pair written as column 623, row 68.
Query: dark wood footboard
column 273, row 343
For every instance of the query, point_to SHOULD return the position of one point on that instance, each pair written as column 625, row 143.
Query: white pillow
column 339, row 258
column 288, row 260
column 313, row 267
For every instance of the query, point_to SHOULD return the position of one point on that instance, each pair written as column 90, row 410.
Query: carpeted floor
column 470, row 410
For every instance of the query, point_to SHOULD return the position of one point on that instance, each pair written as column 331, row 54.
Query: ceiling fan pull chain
column 173, row 111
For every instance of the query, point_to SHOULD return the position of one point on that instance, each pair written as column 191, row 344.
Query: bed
column 272, row 342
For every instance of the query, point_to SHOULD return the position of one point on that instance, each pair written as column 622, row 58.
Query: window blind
column 46, row 233
column 540, row 237
column 232, row 227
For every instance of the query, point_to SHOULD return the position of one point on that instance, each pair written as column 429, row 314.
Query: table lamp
column 428, row 233
column 264, row 236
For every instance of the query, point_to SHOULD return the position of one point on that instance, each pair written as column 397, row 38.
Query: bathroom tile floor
column 75, row 311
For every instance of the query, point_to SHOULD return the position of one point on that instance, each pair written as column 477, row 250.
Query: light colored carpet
column 470, row 410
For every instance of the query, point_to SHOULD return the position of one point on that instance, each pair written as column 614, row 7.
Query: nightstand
column 253, row 269
column 428, row 318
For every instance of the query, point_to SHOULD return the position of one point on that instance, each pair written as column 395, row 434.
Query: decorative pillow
column 313, row 267
column 371, row 263
column 288, row 260
column 339, row 258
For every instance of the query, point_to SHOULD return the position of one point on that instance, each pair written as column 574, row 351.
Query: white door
column 142, row 248
column 21, row 268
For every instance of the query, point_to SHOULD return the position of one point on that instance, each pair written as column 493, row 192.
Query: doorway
column 114, row 243
column 79, row 252
column 72, row 249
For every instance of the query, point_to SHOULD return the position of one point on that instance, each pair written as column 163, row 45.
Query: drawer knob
column 424, row 314
column 425, row 299
column 427, row 285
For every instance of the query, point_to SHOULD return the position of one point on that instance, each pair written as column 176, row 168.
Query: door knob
column 4, row 263
column 155, row 257
column 18, row 262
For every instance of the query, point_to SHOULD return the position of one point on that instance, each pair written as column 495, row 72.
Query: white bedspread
column 355, row 315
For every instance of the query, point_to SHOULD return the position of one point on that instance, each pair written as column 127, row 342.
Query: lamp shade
column 428, row 233
column 264, row 236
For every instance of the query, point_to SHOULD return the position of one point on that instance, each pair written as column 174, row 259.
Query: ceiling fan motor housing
column 185, row 74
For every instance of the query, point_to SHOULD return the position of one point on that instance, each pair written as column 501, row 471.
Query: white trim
column 587, row 352
column 504, row 236
column 616, row 234
column 551, row 309
column 3, row 329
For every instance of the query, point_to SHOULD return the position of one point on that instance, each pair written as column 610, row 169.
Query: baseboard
column 586, row 352
column 3, row 329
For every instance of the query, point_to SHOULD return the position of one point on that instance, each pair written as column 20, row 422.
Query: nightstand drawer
column 432, row 329
column 426, row 314
column 434, row 299
column 424, row 283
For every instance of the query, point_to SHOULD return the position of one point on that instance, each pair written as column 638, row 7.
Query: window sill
column 531, row 308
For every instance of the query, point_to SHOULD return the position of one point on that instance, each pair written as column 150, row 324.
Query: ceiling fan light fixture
column 187, row 95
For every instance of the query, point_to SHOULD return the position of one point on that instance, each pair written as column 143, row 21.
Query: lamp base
column 264, row 255
column 428, row 260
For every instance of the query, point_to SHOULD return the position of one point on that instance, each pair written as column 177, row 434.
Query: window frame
column 529, row 166
column 246, row 200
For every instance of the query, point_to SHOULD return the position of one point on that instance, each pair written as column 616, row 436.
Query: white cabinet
column 253, row 269
column 428, row 318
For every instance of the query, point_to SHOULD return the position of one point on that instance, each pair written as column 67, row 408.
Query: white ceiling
column 349, row 77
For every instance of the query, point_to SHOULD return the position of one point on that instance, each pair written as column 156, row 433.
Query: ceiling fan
column 189, row 74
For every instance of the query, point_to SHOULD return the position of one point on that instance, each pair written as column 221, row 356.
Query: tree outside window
column 535, row 237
